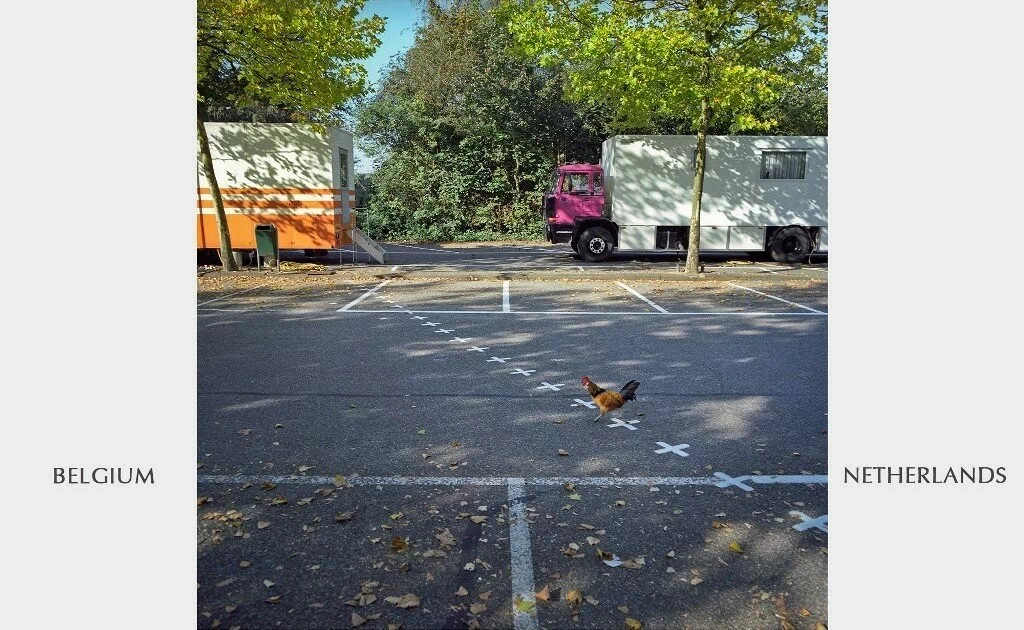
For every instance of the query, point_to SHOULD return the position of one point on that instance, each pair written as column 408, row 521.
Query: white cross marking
column 522, row 371
column 498, row 359
column 397, row 306
column 430, row 324
column 462, row 339
column 555, row 388
column 586, row 403
column 727, row 481
column 417, row 317
column 820, row 523
column 668, row 448
column 617, row 422
column 444, row 330
column 477, row 349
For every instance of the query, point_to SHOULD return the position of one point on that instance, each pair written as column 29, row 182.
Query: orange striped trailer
column 282, row 174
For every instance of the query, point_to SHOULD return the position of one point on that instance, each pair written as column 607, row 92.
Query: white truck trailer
column 761, row 193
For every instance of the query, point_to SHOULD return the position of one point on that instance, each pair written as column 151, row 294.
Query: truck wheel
column 790, row 244
column 595, row 244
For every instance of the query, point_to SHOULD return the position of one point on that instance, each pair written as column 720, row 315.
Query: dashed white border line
column 259, row 286
column 502, row 481
column 813, row 310
column 362, row 297
column 637, row 293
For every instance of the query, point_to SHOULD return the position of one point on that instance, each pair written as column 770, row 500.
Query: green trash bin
column 266, row 246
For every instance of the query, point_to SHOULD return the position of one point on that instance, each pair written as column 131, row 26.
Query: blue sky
column 403, row 17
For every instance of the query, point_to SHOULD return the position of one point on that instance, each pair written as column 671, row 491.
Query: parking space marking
column 478, row 349
column 231, row 294
column 430, row 324
column 521, row 555
column 732, row 481
column 413, row 317
column 462, row 339
column 498, row 359
column 617, row 422
column 813, row 313
column 813, row 310
column 668, row 448
column 506, row 306
column 355, row 480
column 362, row 297
column 557, row 387
column 585, row 403
column 444, row 330
column 637, row 294
column 820, row 523
column 522, row 371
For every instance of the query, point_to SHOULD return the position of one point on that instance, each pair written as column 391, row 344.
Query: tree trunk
column 693, row 247
column 222, row 220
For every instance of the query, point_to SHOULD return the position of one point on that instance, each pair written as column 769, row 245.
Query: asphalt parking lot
column 422, row 260
column 404, row 450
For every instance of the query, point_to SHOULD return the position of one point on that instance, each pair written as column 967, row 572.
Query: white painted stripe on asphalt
column 636, row 293
column 709, row 313
column 500, row 481
column 362, row 297
column 395, row 268
column 522, row 556
column 505, row 306
column 230, row 294
column 739, row 286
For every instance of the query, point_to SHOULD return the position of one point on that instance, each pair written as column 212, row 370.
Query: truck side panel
column 649, row 180
column 286, row 175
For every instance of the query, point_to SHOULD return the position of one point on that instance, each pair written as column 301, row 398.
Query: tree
column 466, row 132
column 706, row 61
column 294, row 58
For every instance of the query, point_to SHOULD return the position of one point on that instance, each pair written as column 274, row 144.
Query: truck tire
column 790, row 244
column 595, row 244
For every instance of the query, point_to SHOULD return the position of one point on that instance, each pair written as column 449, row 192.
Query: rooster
column 608, row 400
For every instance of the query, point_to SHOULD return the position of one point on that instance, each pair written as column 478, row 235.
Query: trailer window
column 553, row 185
column 343, row 160
column 783, row 164
column 598, row 183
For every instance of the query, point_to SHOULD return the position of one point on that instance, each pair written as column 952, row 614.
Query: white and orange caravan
column 291, row 176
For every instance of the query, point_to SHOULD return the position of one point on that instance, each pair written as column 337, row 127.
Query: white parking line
column 501, row 481
column 230, row 294
column 522, row 556
column 505, row 306
column 660, row 313
column 631, row 290
column 813, row 310
column 362, row 297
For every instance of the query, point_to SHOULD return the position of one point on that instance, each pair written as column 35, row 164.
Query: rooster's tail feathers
column 628, row 390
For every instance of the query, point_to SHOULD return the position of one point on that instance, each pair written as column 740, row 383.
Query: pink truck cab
column 573, row 210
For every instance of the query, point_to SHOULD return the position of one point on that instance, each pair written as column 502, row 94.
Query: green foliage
column 467, row 133
column 662, row 58
column 274, row 59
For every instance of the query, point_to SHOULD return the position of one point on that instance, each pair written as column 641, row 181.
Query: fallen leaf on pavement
column 357, row 620
column 633, row 624
column 623, row 609
column 561, row 452
column 446, row 538
column 399, row 544
column 804, row 612
column 543, row 594
column 462, row 592
column 263, row 524
column 695, row 581
column 407, row 601
column 343, row 517
column 477, row 608
column 273, row 599
column 574, row 597
column 434, row 553
column 735, row 546
column 267, row 583
column 478, row 519
column 591, row 600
